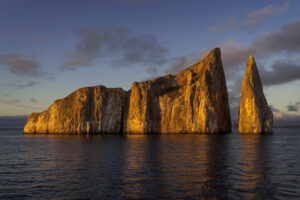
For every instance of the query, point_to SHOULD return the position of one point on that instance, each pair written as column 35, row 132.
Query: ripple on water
column 150, row 166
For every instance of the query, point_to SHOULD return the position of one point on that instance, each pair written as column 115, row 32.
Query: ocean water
column 177, row 166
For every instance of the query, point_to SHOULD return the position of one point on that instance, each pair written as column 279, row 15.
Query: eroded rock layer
column 255, row 116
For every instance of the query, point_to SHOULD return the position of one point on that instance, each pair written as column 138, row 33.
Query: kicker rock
column 193, row 101
column 87, row 110
column 255, row 116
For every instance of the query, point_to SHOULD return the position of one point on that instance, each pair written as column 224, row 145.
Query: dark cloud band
column 119, row 45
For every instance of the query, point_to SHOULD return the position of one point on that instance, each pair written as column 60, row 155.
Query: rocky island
column 193, row 101
column 255, row 116
column 87, row 110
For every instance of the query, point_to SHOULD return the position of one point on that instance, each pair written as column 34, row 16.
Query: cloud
column 32, row 100
column 21, row 85
column 255, row 16
column 285, row 40
column 293, row 107
column 181, row 62
column 274, row 109
column 280, row 73
column 234, row 53
column 119, row 45
column 224, row 26
column 11, row 102
column 20, row 65
column 17, row 103
column 251, row 19
column 268, row 46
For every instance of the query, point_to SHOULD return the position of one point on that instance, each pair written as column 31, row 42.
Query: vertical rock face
column 87, row 110
column 193, row 101
column 255, row 116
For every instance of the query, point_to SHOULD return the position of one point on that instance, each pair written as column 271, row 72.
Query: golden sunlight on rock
column 255, row 116
column 87, row 110
column 193, row 101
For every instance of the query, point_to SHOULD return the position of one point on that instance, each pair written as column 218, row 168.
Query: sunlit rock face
column 87, row 110
column 255, row 116
column 193, row 101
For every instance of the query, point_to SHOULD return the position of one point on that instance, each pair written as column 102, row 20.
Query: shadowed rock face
column 87, row 110
column 193, row 101
column 255, row 116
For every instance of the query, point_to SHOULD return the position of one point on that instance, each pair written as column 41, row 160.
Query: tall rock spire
column 255, row 116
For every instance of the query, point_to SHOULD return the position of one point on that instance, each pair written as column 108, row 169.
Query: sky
column 50, row 48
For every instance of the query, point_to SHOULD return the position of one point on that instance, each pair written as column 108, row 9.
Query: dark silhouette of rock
column 255, row 116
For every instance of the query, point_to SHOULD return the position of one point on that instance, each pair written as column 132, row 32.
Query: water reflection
column 181, row 166
column 135, row 167
column 217, row 172
column 149, row 167
column 253, row 179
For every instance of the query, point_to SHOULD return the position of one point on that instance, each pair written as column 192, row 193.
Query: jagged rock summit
column 255, row 116
column 193, row 101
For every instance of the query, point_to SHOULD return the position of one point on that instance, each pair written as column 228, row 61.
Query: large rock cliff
column 87, row 110
column 193, row 101
column 255, row 116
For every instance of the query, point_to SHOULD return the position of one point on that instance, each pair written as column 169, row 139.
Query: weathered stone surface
column 255, row 116
column 87, row 110
column 193, row 101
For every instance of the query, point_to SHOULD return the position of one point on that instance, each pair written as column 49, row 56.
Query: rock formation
column 193, row 101
column 255, row 116
column 87, row 110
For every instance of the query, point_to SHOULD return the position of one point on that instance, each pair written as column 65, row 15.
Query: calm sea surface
column 150, row 166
